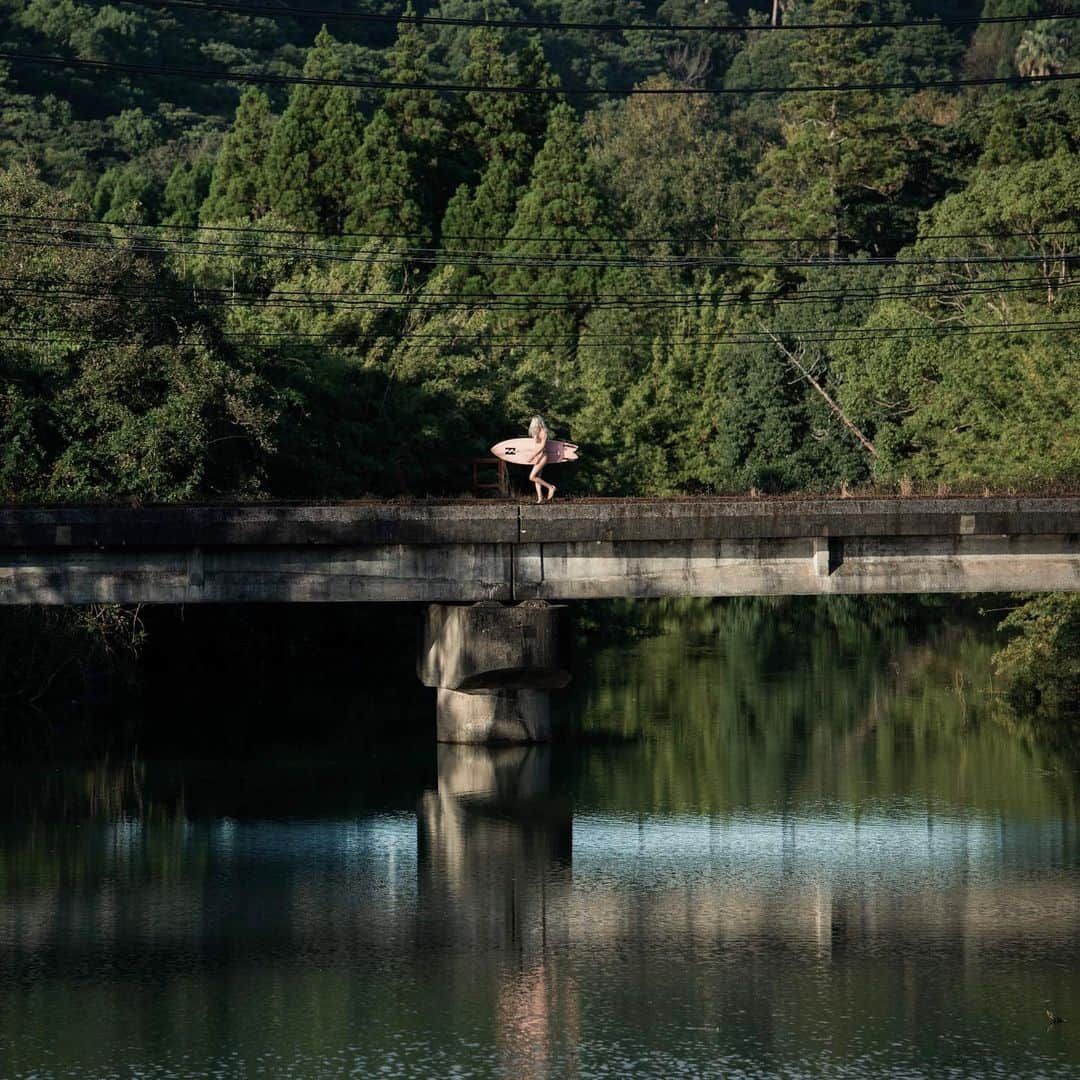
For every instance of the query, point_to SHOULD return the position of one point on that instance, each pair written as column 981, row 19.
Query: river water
column 774, row 838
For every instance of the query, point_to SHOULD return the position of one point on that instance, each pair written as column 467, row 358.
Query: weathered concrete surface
column 491, row 665
column 463, row 522
column 259, row 525
column 398, row 572
column 613, row 520
column 467, row 551
column 799, row 567
column 491, row 647
column 501, row 716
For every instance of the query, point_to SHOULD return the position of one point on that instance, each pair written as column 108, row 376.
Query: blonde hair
column 535, row 424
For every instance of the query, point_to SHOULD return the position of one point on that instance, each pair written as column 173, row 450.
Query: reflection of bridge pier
column 493, row 844
column 492, row 666
column 494, row 849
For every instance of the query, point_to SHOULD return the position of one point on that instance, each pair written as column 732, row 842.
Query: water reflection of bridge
column 495, row 921
column 493, row 860
column 516, row 871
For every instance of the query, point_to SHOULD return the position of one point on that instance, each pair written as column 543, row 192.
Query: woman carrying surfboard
column 538, row 450
column 538, row 430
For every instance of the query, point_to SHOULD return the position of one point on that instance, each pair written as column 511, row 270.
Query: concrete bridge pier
column 493, row 666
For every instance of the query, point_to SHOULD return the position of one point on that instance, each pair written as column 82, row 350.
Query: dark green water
column 776, row 839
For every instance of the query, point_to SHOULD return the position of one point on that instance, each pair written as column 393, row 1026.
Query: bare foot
column 538, row 499
column 551, row 493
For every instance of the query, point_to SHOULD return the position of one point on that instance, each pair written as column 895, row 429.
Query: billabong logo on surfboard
column 519, row 451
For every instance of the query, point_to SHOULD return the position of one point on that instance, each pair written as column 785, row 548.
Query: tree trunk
column 797, row 364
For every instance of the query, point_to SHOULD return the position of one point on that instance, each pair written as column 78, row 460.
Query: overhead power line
column 209, row 293
column 327, row 15
column 489, row 343
column 578, row 260
column 109, row 230
column 279, row 298
column 944, row 293
column 201, row 74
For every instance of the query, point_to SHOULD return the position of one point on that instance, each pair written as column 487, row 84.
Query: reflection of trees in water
column 321, row 947
column 752, row 702
column 42, row 804
column 104, row 790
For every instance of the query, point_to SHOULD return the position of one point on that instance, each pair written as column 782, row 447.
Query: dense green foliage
column 372, row 269
column 304, row 290
column 115, row 383
column 1043, row 662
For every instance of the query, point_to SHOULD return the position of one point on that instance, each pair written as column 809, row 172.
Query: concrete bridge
column 467, row 551
column 493, row 665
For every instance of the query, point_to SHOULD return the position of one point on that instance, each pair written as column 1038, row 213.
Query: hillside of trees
column 296, row 289
column 257, row 255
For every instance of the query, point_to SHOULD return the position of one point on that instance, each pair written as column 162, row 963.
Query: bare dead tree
column 781, row 8
column 689, row 64
column 795, row 359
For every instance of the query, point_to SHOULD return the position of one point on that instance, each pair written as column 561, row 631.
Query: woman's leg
column 534, row 476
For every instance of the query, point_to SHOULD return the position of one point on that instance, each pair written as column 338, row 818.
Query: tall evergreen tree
column 498, row 137
column 399, row 187
column 477, row 219
column 842, row 150
column 420, row 114
column 309, row 166
column 238, row 185
column 560, row 212
column 503, row 125
column 389, row 198
column 186, row 191
column 128, row 194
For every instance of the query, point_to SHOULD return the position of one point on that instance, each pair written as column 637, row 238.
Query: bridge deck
column 474, row 550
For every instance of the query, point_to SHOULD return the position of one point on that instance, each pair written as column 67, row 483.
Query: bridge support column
column 502, row 716
column 492, row 666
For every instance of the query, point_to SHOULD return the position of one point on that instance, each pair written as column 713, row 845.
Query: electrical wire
column 197, row 241
column 943, row 292
column 261, row 230
column 810, row 335
column 326, row 15
column 200, row 74
column 577, row 260
column 536, row 307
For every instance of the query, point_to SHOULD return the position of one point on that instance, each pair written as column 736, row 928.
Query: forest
column 315, row 250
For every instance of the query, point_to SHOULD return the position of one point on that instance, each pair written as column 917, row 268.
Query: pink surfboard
column 519, row 451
